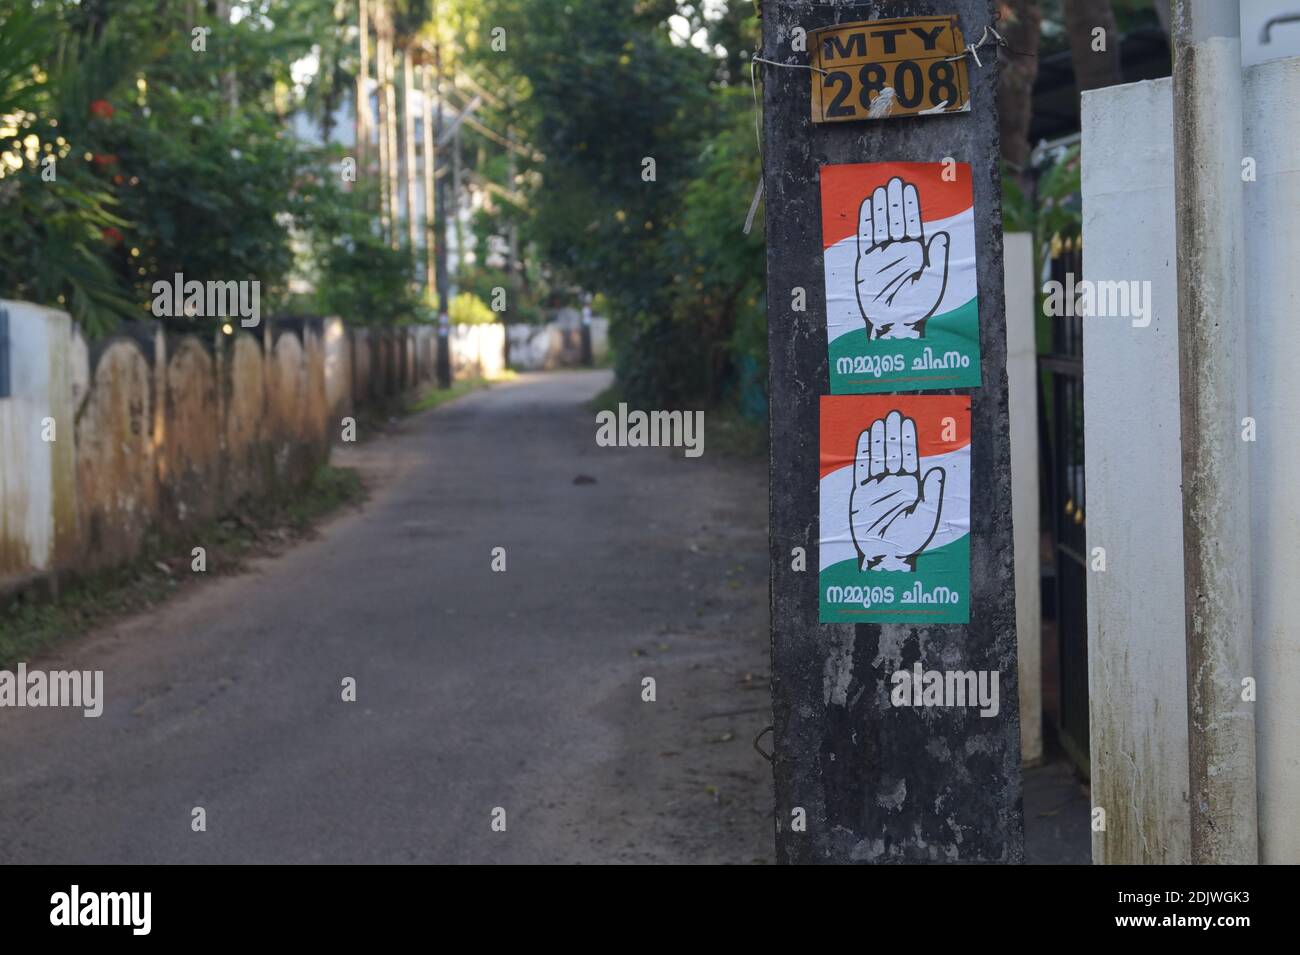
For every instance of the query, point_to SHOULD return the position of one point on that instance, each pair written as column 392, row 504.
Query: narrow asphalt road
column 476, row 690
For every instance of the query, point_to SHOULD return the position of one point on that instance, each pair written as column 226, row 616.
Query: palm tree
column 383, row 52
column 397, row 25
column 430, row 104
column 390, row 125
column 410, row 18
column 408, row 102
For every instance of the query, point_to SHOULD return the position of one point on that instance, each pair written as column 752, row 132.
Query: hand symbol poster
column 898, row 246
column 895, row 509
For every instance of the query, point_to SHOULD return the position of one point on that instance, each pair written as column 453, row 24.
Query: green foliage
column 27, row 40
column 57, row 230
column 1017, row 210
column 468, row 309
column 609, row 91
column 721, row 290
column 711, row 338
column 357, row 275
column 437, row 397
column 522, row 305
column 206, row 194
column 172, row 160
column 1060, row 208
column 53, row 248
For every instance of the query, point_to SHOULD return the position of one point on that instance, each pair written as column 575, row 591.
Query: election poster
column 895, row 509
column 898, row 246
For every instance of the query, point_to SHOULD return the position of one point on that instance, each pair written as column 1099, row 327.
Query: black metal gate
column 1061, row 380
column 4, row 352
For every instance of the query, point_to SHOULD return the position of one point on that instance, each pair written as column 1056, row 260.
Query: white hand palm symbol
column 900, row 277
column 893, row 512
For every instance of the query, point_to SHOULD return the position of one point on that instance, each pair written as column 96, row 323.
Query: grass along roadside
column 436, row 397
column 259, row 527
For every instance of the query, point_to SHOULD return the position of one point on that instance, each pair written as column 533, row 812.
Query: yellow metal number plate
column 883, row 68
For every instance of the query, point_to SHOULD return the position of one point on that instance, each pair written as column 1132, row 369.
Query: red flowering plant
column 53, row 248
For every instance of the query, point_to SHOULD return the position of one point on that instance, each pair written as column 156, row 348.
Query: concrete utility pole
column 1212, row 370
column 874, row 782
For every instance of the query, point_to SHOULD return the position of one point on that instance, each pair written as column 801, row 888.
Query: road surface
column 476, row 690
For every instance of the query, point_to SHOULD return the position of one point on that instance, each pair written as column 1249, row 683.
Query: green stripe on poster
column 940, row 588
column 947, row 357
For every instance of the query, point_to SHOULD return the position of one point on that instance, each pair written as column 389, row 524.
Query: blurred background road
column 475, row 689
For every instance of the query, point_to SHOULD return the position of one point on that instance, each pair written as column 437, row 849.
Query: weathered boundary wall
column 105, row 443
column 557, row 344
column 1136, row 636
column 38, row 515
column 174, row 429
column 477, row 351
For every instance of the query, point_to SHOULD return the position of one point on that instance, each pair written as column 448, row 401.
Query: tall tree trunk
column 382, row 51
column 430, row 160
column 229, row 83
column 408, row 115
column 363, row 92
column 1094, row 43
column 456, row 231
column 329, row 103
column 440, row 199
column 1021, row 21
column 518, row 270
column 512, row 230
column 390, row 96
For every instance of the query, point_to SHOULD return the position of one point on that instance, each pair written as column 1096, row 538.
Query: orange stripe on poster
column 845, row 417
column 845, row 185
